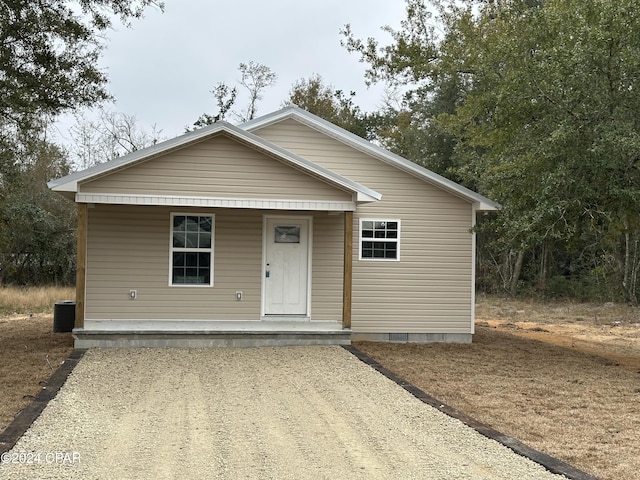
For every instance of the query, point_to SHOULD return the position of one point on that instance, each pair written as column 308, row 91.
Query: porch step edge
column 95, row 339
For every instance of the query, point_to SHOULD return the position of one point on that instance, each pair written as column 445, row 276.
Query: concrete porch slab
column 199, row 334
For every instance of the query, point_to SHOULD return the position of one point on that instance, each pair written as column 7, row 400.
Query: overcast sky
column 162, row 69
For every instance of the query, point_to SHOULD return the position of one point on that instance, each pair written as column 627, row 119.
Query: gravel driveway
column 267, row 413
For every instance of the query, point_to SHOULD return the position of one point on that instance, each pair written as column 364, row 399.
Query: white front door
column 286, row 266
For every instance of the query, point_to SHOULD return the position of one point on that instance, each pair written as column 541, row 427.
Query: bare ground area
column 314, row 412
column 30, row 353
column 563, row 378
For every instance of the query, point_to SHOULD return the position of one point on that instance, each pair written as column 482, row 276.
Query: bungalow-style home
column 284, row 230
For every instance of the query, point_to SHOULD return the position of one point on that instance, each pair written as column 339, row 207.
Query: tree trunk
column 542, row 276
column 630, row 266
column 517, row 269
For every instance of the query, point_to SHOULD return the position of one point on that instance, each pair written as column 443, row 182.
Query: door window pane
column 287, row 234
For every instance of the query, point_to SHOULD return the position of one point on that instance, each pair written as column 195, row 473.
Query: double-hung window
column 191, row 257
column 379, row 239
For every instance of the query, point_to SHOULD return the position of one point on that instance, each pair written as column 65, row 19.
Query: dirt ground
column 30, row 353
column 563, row 378
column 611, row 330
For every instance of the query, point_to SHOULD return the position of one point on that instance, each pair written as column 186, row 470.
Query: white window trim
column 173, row 249
column 361, row 239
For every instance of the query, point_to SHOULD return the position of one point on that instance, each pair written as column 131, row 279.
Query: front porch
column 200, row 334
column 126, row 299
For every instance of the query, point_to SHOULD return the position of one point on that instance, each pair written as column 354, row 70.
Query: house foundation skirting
column 412, row 337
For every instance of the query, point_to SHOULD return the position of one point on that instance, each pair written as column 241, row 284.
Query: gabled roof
column 243, row 133
column 70, row 182
column 296, row 113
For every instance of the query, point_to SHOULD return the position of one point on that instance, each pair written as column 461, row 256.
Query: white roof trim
column 70, row 182
column 480, row 202
column 218, row 202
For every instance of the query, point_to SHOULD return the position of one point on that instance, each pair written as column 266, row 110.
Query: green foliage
column 48, row 55
column 551, row 120
column 332, row 105
column 37, row 226
column 410, row 59
column 255, row 77
column 413, row 63
column 225, row 99
column 49, row 51
column 534, row 104
column 413, row 132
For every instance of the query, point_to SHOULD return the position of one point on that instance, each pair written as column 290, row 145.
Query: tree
column 37, row 226
column 332, row 105
column 314, row 96
column 551, row 121
column 545, row 124
column 255, row 77
column 408, row 126
column 49, row 51
column 48, row 65
column 410, row 59
column 111, row 135
column 225, row 99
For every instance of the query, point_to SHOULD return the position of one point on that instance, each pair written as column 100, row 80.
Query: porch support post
column 81, row 262
column 347, row 277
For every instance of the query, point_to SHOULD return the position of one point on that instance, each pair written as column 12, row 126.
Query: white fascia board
column 364, row 198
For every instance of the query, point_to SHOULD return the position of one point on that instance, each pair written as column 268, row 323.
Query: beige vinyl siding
column 327, row 265
column 430, row 289
column 218, row 167
column 129, row 250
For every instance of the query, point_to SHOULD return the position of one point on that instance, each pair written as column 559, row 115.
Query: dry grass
column 558, row 313
column 27, row 300
column 30, row 353
column 520, row 375
column 581, row 408
column 29, row 349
